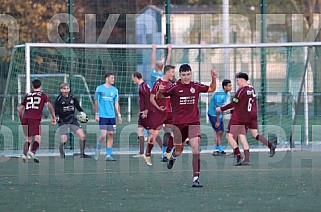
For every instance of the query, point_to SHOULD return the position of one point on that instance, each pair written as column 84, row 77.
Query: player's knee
column 102, row 138
column 82, row 137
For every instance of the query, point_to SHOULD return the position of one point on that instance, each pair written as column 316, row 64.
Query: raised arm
column 153, row 61
column 169, row 53
column 212, row 87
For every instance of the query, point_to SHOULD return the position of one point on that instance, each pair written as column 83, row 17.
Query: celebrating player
column 162, row 114
column 65, row 105
column 33, row 104
column 244, row 116
column 184, row 96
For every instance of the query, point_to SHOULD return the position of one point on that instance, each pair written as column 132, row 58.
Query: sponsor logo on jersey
column 187, row 100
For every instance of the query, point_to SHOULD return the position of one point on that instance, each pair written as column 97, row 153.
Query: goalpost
column 83, row 66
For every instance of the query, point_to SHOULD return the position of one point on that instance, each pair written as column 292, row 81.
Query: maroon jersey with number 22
column 34, row 103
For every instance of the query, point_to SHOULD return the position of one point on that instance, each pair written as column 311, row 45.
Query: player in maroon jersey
column 30, row 114
column 184, row 96
column 244, row 117
column 145, row 112
column 162, row 114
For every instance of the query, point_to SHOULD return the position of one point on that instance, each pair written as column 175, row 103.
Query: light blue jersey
column 219, row 99
column 154, row 75
column 106, row 100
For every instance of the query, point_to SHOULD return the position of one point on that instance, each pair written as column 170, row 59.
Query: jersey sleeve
column 116, row 98
column 45, row 98
column 155, row 88
column 203, row 88
column 24, row 101
column 146, row 94
column 170, row 90
column 234, row 101
column 97, row 93
column 77, row 105
column 57, row 106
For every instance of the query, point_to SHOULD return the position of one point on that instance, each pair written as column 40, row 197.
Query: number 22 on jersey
column 33, row 102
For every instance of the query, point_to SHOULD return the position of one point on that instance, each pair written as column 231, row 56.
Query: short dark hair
column 108, row 74
column 242, row 75
column 36, row 83
column 185, row 68
column 168, row 67
column 138, row 75
column 225, row 82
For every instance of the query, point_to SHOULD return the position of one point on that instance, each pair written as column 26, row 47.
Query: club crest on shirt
column 111, row 93
column 192, row 90
column 71, row 101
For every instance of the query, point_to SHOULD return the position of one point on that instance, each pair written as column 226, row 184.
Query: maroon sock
column 170, row 144
column 196, row 165
column 263, row 140
column 149, row 149
column 35, row 146
column 237, row 153
column 141, row 144
column 247, row 155
column 26, row 148
column 159, row 141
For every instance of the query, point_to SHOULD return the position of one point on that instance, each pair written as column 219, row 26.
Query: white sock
column 195, row 178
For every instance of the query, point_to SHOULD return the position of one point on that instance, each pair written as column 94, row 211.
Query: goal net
column 277, row 71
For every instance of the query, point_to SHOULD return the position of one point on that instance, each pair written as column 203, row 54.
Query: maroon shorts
column 145, row 122
column 159, row 118
column 184, row 131
column 236, row 126
column 31, row 127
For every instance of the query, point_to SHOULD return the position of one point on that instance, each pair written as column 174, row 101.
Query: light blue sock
column 216, row 148
column 163, row 150
column 109, row 151
column 98, row 145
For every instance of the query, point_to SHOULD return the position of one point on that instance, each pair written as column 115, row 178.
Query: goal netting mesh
column 276, row 75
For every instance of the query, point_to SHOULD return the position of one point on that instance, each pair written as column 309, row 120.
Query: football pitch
column 290, row 181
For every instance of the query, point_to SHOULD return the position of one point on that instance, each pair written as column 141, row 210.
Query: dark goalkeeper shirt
column 65, row 108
